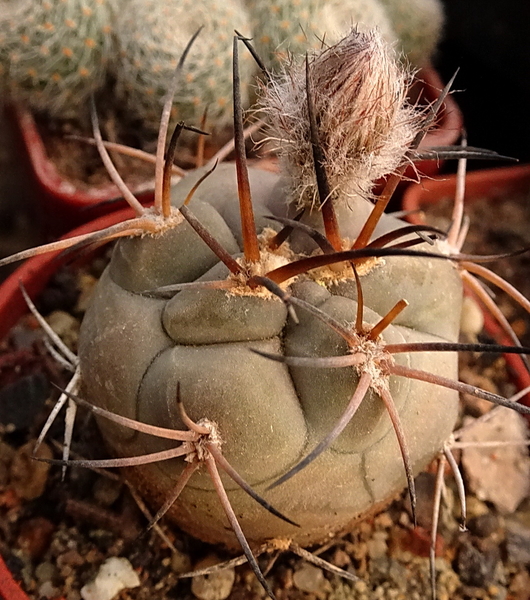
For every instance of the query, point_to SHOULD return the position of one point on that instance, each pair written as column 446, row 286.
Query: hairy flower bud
column 364, row 122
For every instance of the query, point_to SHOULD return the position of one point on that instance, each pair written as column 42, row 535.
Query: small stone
column 384, row 521
column 476, row 568
column 486, row 466
column 475, row 507
column 70, row 558
column 45, row 571
column 484, row 525
column 309, row 578
column 379, row 569
column 35, row 536
column 65, row 326
column 377, row 546
column 518, row 542
column 520, row 585
column 114, row 575
column 341, row 558
column 180, row 562
column 47, row 590
column 106, row 491
column 216, row 586
column 86, row 285
column 28, row 477
column 398, row 574
column 360, row 586
column 497, row 592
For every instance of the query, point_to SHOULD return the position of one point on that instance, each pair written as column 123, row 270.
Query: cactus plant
column 317, row 410
column 54, row 54
column 151, row 37
column 287, row 26
column 198, row 344
column 294, row 26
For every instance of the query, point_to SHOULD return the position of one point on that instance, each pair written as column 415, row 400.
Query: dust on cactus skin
column 54, row 55
column 152, row 35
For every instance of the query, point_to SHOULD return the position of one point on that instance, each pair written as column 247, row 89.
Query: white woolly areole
column 364, row 122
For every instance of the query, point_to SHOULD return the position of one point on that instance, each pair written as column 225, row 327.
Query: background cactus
column 295, row 26
column 418, row 26
column 153, row 34
column 298, row 25
column 54, row 54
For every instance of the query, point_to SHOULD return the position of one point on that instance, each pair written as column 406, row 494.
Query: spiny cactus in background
column 418, row 25
column 364, row 122
column 54, row 53
column 152, row 35
column 294, row 26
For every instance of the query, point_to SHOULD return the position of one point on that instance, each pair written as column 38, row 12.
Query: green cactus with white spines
column 54, row 53
column 152, row 36
column 418, row 25
column 295, row 26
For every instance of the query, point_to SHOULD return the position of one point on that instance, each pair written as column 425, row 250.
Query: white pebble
column 309, row 578
column 114, row 575
column 216, row 586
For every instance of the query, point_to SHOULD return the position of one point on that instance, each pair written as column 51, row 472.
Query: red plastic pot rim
column 49, row 177
column 484, row 183
column 35, row 273
column 9, row 588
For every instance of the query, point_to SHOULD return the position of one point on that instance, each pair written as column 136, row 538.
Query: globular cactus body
column 134, row 349
column 139, row 354
column 152, row 37
column 54, row 54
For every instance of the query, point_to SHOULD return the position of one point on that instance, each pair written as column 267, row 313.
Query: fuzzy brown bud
column 364, row 122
